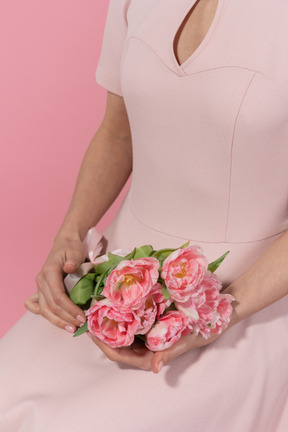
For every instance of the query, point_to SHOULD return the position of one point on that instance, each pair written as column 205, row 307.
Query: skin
column 265, row 282
column 194, row 29
column 110, row 151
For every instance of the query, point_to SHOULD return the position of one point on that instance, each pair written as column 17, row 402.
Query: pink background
column 50, row 108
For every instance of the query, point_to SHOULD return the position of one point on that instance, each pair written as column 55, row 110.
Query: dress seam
column 183, row 75
column 231, row 154
column 200, row 241
column 154, row 52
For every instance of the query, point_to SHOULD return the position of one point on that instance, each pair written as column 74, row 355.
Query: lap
column 52, row 381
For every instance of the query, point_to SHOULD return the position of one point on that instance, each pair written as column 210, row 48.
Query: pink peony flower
column 152, row 308
column 222, row 314
column 209, row 311
column 191, row 306
column 210, row 280
column 131, row 282
column 211, row 287
column 182, row 271
column 115, row 327
column 147, row 315
column 159, row 299
column 169, row 328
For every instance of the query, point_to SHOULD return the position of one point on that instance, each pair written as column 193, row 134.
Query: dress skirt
column 51, row 381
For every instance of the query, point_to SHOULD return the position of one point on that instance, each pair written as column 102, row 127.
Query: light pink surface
column 50, row 107
column 210, row 151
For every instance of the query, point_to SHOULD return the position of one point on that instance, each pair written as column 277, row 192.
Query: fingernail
column 81, row 318
column 70, row 328
column 71, row 263
column 160, row 366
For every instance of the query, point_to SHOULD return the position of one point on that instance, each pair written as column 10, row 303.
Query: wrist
column 67, row 236
column 73, row 229
column 72, row 233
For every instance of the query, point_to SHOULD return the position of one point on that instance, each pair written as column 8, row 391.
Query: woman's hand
column 51, row 300
column 139, row 356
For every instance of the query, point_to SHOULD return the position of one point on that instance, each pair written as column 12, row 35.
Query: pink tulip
column 209, row 311
column 182, row 271
column 223, row 313
column 147, row 315
column 131, row 282
column 159, row 299
column 111, row 325
column 169, row 328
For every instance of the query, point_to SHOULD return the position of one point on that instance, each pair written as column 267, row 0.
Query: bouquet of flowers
column 155, row 295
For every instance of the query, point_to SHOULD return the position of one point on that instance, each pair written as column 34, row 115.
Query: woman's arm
column 105, row 169
column 263, row 283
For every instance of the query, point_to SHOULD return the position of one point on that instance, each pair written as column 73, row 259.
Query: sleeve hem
column 107, row 83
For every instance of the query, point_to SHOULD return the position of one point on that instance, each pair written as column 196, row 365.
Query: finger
column 161, row 358
column 140, row 358
column 32, row 303
column 54, row 319
column 184, row 344
column 54, row 283
column 57, row 310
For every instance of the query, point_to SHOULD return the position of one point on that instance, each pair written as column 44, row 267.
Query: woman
column 200, row 88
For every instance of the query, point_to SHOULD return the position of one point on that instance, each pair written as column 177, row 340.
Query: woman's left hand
column 139, row 356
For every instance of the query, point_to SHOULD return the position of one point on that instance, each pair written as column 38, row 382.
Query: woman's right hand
column 50, row 300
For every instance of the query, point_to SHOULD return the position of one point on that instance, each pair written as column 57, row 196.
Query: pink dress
column 210, row 165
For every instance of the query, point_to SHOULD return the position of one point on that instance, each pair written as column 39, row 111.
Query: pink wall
column 50, row 107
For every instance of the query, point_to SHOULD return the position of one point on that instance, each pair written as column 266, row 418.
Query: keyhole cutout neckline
column 180, row 27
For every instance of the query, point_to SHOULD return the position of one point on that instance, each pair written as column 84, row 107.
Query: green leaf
column 83, row 290
column 97, row 298
column 114, row 259
column 165, row 292
column 185, row 245
column 162, row 253
column 100, row 285
column 81, row 330
column 131, row 255
column 212, row 267
column 172, row 307
column 103, row 267
column 143, row 251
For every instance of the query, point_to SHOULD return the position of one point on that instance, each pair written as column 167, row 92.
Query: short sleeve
column 108, row 68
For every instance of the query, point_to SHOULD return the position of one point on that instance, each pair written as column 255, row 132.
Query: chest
column 189, row 36
column 194, row 28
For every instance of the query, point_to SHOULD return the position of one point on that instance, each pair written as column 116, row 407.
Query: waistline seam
column 198, row 240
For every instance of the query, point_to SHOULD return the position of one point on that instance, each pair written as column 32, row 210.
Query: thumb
column 73, row 260
column 158, row 362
